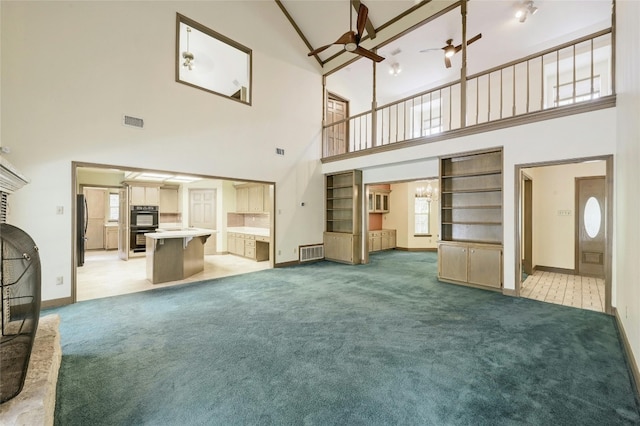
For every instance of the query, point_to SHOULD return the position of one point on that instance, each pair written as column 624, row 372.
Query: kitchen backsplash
column 258, row 220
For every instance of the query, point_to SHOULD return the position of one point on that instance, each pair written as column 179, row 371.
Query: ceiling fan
column 450, row 49
column 351, row 39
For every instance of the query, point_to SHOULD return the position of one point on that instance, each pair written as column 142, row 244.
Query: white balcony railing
column 572, row 73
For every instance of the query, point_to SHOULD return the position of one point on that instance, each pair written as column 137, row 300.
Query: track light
column 525, row 9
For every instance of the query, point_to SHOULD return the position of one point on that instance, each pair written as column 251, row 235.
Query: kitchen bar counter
column 175, row 255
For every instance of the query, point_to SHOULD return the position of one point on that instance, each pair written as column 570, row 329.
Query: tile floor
column 104, row 274
column 563, row 289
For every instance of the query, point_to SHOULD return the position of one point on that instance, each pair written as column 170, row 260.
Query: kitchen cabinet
column 470, row 250
column 110, row 237
column 144, row 195
column 473, row 264
column 96, row 212
column 378, row 201
column 252, row 198
column 343, row 216
column 383, row 239
column 169, row 200
column 255, row 247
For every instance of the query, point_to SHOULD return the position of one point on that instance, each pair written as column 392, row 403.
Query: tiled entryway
column 563, row 289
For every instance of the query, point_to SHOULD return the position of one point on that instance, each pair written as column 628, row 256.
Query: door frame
column 608, row 212
column 527, row 225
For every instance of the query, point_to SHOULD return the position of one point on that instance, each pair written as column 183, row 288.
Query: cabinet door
column 137, row 195
column 256, row 199
column 168, row 200
column 485, row 266
column 385, row 202
column 152, row 196
column 242, row 200
column 452, row 262
column 385, row 241
column 378, row 198
column 370, row 203
column 231, row 242
column 392, row 239
column 339, row 247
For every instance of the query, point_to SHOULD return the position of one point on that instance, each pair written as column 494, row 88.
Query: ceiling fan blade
column 476, row 38
column 430, row 49
column 318, row 50
column 368, row 54
column 447, row 62
column 348, row 37
column 363, row 12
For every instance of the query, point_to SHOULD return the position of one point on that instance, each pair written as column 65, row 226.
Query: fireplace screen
column 20, row 288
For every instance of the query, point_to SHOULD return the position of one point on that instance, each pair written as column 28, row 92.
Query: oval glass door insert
column 592, row 217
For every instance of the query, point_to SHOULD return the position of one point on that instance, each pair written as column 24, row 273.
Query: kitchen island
column 175, row 255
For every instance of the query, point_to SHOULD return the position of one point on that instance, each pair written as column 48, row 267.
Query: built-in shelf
column 342, row 216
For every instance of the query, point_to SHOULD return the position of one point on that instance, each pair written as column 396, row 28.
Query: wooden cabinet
column 252, row 198
column 169, row 200
column 471, row 219
column 342, row 247
column 255, row 247
column 383, row 239
column 110, row 237
column 477, row 264
column 96, row 215
column 343, row 201
column 144, row 195
column 378, row 201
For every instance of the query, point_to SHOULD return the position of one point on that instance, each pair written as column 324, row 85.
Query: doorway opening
column 110, row 266
column 564, row 227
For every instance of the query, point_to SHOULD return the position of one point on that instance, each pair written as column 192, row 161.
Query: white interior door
column 202, row 214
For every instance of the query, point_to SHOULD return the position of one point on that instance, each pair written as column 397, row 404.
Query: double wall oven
column 144, row 219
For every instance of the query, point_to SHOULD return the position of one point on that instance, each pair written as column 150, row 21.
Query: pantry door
column 202, row 214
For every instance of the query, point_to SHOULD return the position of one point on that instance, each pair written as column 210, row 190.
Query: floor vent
column 127, row 120
column 309, row 253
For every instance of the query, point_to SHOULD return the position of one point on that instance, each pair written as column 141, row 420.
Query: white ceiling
column 504, row 38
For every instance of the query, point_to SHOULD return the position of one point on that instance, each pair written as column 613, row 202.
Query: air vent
column 280, row 151
column 309, row 253
column 127, row 120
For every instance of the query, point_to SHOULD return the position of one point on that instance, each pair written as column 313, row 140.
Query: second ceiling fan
column 450, row 49
column 351, row 39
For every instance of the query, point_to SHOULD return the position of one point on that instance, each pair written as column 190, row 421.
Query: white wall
column 554, row 190
column 627, row 200
column 82, row 65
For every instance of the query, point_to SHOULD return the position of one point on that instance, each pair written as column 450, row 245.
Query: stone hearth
column 35, row 404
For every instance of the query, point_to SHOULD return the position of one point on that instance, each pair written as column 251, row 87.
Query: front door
column 202, row 214
column 590, row 222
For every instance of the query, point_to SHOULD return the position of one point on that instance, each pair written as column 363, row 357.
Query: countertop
column 182, row 233
column 262, row 232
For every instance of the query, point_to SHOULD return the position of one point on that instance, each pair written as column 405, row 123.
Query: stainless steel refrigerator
column 82, row 219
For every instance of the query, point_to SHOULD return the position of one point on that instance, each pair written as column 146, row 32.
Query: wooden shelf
column 342, row 216
column 471, row 222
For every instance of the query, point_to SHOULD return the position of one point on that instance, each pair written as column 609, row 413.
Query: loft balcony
column 571, row 78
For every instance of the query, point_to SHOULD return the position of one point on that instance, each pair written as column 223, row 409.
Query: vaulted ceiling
column 504, row 37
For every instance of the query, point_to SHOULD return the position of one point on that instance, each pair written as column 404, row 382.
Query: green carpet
column 330, row 344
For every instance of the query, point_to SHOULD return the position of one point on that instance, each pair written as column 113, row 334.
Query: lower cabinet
column 342, row 247
column 248, row 245
column 110, row 237
column 469, row 263
column 383, row 239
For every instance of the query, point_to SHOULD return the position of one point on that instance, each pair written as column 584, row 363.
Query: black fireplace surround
column 20, row 279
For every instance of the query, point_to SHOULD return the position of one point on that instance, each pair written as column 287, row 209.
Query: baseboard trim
column 55, row 303
column 554, row 269
column 509, row 292
column 287, row 264
column 433, row 249
column 629, row 358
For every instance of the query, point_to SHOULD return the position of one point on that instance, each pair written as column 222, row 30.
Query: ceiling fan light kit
column 351, row 39
column 188, row 56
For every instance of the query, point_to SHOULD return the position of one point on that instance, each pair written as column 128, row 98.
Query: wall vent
column 309, row 253
column 127, row 120
column 280, row 151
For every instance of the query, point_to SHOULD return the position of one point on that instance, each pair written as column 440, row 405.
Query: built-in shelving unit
column 470, row 247
column 342, row 216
